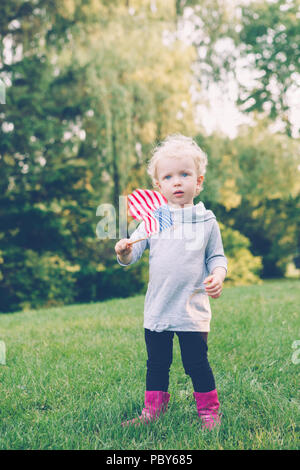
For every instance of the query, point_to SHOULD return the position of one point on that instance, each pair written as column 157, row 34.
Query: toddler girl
column 186, row 265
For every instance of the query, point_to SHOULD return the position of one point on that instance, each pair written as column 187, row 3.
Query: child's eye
column 168, row 176
column 185, row 174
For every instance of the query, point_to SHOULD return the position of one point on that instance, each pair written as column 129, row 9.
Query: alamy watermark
column 192, row 233
column 296, row 354
column 2, row 92
column 2, row 353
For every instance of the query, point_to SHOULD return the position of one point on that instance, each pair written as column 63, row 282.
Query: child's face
column 178, row 174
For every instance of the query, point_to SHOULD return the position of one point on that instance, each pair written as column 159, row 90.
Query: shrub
column 31, row 280
column 243, row 267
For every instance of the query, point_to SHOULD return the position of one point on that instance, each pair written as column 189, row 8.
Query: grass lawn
column 73, row 373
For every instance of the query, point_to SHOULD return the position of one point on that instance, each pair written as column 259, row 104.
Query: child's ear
column 200, row 180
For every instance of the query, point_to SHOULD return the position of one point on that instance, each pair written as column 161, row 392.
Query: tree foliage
column 253, row 185
column 91, row 87
column 264, row 37
column 271, row 39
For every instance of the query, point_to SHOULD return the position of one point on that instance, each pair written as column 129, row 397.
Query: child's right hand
column 123, row 247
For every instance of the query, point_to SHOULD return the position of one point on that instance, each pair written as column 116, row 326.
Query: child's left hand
column 215, row 285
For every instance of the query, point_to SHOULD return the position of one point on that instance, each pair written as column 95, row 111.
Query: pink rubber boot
column 207, row 407
column 156, row 402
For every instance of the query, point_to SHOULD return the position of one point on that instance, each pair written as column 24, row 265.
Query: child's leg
column 193, row 346
column 160, row 349
column 160, row 355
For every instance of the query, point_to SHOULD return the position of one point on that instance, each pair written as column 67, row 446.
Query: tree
column 253, row 186
column 76, row 130
column 270, row 34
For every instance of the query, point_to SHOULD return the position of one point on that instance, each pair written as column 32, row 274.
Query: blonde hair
column 175, row 146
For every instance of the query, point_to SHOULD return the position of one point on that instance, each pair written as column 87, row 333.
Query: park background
column 91, row 86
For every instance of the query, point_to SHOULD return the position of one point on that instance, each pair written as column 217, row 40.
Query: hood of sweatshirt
column 191, row 214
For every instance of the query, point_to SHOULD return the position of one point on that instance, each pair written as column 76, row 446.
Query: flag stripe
column 150, row 197
column 150, row 222
column 151, row 207
column 140, row 216
column 136, row 197
column 144, row 197
column 159, row 198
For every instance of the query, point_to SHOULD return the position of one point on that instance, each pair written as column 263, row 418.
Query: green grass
column 73, row 373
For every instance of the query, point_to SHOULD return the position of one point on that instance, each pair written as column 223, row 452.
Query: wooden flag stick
column 135, row 241
column 145, row 238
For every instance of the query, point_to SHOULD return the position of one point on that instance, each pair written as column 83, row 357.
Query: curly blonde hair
column 175, row 146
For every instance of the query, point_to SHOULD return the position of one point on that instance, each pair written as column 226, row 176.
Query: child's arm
column 215, row 282
column 123, row 250
column 216, row 263
column 129, row 253
column 220, row 271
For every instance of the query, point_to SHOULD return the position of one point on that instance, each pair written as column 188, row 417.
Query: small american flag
column 152, row 208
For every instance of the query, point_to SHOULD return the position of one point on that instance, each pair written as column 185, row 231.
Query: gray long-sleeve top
column 180, row 258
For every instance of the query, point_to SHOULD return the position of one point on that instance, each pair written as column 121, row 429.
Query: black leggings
column 193, row 347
